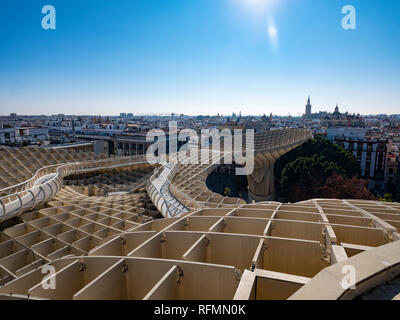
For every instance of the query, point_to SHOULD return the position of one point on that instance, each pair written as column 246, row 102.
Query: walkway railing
column 34, row 192
column 273, row 140
column 169, row 209
column 33, row 196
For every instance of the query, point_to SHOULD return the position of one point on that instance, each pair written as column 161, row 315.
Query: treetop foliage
column 320, row 169
column 326, row 150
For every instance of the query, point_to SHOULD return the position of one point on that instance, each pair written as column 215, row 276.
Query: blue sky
column 199, row 57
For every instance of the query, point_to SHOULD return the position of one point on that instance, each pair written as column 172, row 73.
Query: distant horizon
column 190, row 115
column 199, row 57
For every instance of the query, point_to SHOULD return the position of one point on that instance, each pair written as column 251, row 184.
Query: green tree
column 311, row 170
column 227, row 192
column 326, row 150
column 303, row 168
column 388, row 197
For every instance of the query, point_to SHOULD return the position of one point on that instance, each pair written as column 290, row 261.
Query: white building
column 7, row 135
column 371, row 153
column 31, row 134
column 355, row 133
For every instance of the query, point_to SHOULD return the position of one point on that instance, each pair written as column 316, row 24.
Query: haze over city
column 199, row 57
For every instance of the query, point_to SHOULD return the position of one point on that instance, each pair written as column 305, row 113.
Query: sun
column 272, row 31
column 263, row 3
column 261, row 7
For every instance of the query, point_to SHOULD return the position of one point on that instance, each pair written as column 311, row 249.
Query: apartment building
column 372, row 153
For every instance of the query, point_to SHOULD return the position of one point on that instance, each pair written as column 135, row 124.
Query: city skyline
column 253, row 56
column 227, row 115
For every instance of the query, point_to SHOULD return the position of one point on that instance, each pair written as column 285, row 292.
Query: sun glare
column 272, row 31
column 259, row 3
column 265, row 9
